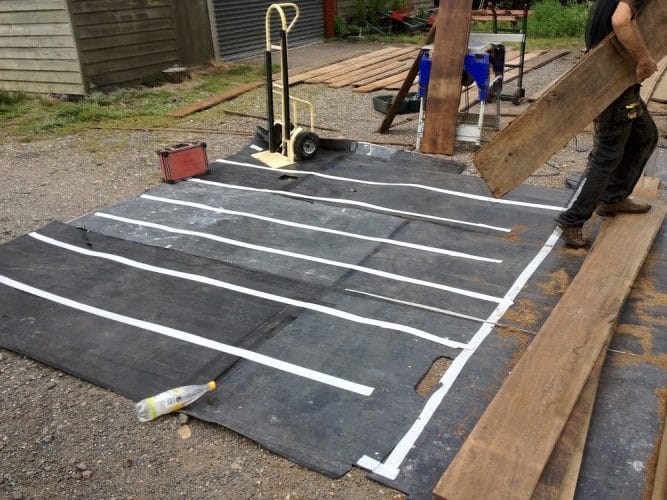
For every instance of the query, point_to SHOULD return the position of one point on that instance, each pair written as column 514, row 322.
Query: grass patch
column 29, row 117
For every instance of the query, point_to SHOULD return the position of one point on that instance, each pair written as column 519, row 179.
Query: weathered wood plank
column 55, row 41
column 127, row 40
column 559, row 478
column 42, row 76
column 371, row 71
column 505, row 454
column 371, row 59
column 42, row 88
column 658, row 89
column 143, row 65
column 39, row 65
column 128, row 52
column 303, row 76
column 88, row 6
column 86, row 32
column 51, row 53
column 123, row 16
column 374, row 85
column 567, row 107
column 31, row 5
column 35, row 29
column 215, row 100
column 444, row 90
column 43, row 17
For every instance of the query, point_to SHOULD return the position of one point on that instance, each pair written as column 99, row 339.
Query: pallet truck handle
column 280, row 9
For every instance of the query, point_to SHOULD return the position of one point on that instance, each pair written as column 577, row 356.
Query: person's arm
column 628, row 34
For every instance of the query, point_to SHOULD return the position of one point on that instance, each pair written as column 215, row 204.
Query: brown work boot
column 573, row 236
column 625, row 206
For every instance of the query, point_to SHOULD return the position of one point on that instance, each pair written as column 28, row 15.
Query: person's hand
column 645, row 68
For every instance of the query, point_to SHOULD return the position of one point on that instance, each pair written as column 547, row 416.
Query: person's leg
column 607, row 153
column 641, row 143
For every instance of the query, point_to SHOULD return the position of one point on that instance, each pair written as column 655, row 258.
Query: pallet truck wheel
column 306, row 145
column 519, row 96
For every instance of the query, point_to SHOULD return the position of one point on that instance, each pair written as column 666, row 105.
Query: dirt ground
column 63, row 437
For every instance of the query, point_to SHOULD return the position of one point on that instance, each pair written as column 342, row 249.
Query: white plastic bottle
column 171, row 400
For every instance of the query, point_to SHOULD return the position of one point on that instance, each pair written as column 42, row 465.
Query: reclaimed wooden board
column 215, row 100
column 444, row 92
column 330, row 68
column 567, row 107
column 505, row 454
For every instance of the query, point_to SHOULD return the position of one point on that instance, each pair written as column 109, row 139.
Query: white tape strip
column 261, row 359
column 321, row 229
column 342, row 201
column 249, row 291
column 390, row 468
column 309, row 258
column 450, row 192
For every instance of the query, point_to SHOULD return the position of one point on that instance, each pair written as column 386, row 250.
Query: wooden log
column 505, row 454
column 569, row 105
column 444, row 91
column 227, row 95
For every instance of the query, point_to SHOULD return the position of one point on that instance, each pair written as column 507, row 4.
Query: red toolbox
column 181, row 161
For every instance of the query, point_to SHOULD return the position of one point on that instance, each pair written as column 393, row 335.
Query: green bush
column 550, row 19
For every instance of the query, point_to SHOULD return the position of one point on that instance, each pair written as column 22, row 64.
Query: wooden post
column 444, row 90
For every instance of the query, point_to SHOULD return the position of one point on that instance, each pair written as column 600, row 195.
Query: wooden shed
column 74, row 46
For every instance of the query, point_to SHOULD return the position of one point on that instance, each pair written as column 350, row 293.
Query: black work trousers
column 625, row 138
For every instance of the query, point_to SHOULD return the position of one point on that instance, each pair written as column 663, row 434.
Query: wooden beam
column 567, row 107
column 444, row 90
column 505, row 454
column 559, row 478
column 227, row 95
column 405, row 88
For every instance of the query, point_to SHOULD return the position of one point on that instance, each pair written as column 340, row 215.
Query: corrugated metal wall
column 239, row 25
column 123, row 40
column 37, row 48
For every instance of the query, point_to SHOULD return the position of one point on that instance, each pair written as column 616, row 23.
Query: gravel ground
column 62, row 437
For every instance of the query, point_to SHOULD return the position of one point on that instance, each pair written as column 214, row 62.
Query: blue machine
column 477, row 65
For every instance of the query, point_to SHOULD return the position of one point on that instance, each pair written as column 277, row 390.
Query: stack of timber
column 529, row 442
column 387, row 69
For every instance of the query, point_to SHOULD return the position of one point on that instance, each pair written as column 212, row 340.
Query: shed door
column 239, row 26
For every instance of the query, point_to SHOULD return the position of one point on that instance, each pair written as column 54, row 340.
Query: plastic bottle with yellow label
column 170, row 401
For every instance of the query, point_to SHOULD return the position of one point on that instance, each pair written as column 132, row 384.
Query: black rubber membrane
column 321, row 426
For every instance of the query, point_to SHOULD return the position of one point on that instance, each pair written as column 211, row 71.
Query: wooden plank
column 80, row 7
column 651, row 83
column 60, row 41
column 42, row 88
column 660, row 483
column 35, row 29
column 658, row 92
column 143, row 65
column 117, row 16
column 42, row 16
column 444, row 92
column 569, row 105
column 383, row 83
column 405, row 87
column 344, row 68
column 559, row 478
column 302, row 77
column 372, row 71
column 41, row 65
column 38, row 53
column 505, row 454
column 215, row 100
column 31, row 5
column 42, row 76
